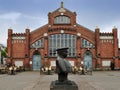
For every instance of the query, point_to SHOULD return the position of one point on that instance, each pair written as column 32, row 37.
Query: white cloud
column 6, row 21
column 12, row 16
column 18, row 22
column 34, row 22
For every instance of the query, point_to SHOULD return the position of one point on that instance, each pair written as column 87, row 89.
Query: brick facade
column 104, row 51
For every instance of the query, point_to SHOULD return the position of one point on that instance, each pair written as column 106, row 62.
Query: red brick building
column 37, row 48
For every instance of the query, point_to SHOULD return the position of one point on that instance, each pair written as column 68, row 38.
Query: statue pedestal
column 68, row 85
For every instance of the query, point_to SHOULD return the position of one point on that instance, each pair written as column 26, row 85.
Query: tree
column 4, row 53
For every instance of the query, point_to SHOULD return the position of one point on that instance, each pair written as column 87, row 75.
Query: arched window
column 61, row 20
column 86, row 44
column 60, row 41
column 38, row 44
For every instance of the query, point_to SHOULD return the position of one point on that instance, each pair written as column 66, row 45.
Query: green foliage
column 4, row 52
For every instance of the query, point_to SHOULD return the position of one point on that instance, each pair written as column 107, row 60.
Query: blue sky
column 20, row 14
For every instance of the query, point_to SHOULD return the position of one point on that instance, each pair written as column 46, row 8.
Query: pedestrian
column 112, row 65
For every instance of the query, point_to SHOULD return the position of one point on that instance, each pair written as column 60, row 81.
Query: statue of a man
column 63, row 67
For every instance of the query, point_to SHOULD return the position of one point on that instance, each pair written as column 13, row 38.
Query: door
column 36, row 62
column 87, row 60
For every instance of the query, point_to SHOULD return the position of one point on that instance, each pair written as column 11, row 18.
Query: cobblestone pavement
column 102, row 80
column 20, row 81
column 45, row 85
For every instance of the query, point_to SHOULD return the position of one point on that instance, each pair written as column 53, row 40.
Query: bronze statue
column 63, row 67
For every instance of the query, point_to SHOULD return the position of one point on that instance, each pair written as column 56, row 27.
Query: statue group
column 63, row 67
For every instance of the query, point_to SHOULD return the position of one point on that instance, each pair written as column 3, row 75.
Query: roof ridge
column 39, row 28
column 85, row 27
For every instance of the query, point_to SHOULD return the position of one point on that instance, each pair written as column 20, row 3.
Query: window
column 87, row 44
column 38, row 44
column 60, row 41
column 61, row 20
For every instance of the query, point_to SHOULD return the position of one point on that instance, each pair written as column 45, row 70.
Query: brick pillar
column 50, row 21
column 74, row 16
column 115, row 47
column 98, row 63
column 46, row 46
column 46, row 49
column 9, row 47
column 27, row 47
column 78, row 49
column 42, row 55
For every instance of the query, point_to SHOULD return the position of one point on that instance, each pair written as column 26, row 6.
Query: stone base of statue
column 67, row 85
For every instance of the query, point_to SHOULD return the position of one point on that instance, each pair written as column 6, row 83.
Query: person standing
column 112, row 65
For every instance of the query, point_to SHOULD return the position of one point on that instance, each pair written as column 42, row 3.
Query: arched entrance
column 87, row 60
column 36, row 61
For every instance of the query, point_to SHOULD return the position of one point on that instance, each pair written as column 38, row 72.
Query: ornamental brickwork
column 25, row 48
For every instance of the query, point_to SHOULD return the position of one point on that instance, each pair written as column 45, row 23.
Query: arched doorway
column 36, row 61
column 87, row 60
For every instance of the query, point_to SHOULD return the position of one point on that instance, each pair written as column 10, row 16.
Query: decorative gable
column 62, row 16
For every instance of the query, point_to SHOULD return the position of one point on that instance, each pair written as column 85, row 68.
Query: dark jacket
column 63, row 65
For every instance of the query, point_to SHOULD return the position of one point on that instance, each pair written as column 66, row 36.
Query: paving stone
column 102, row 80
